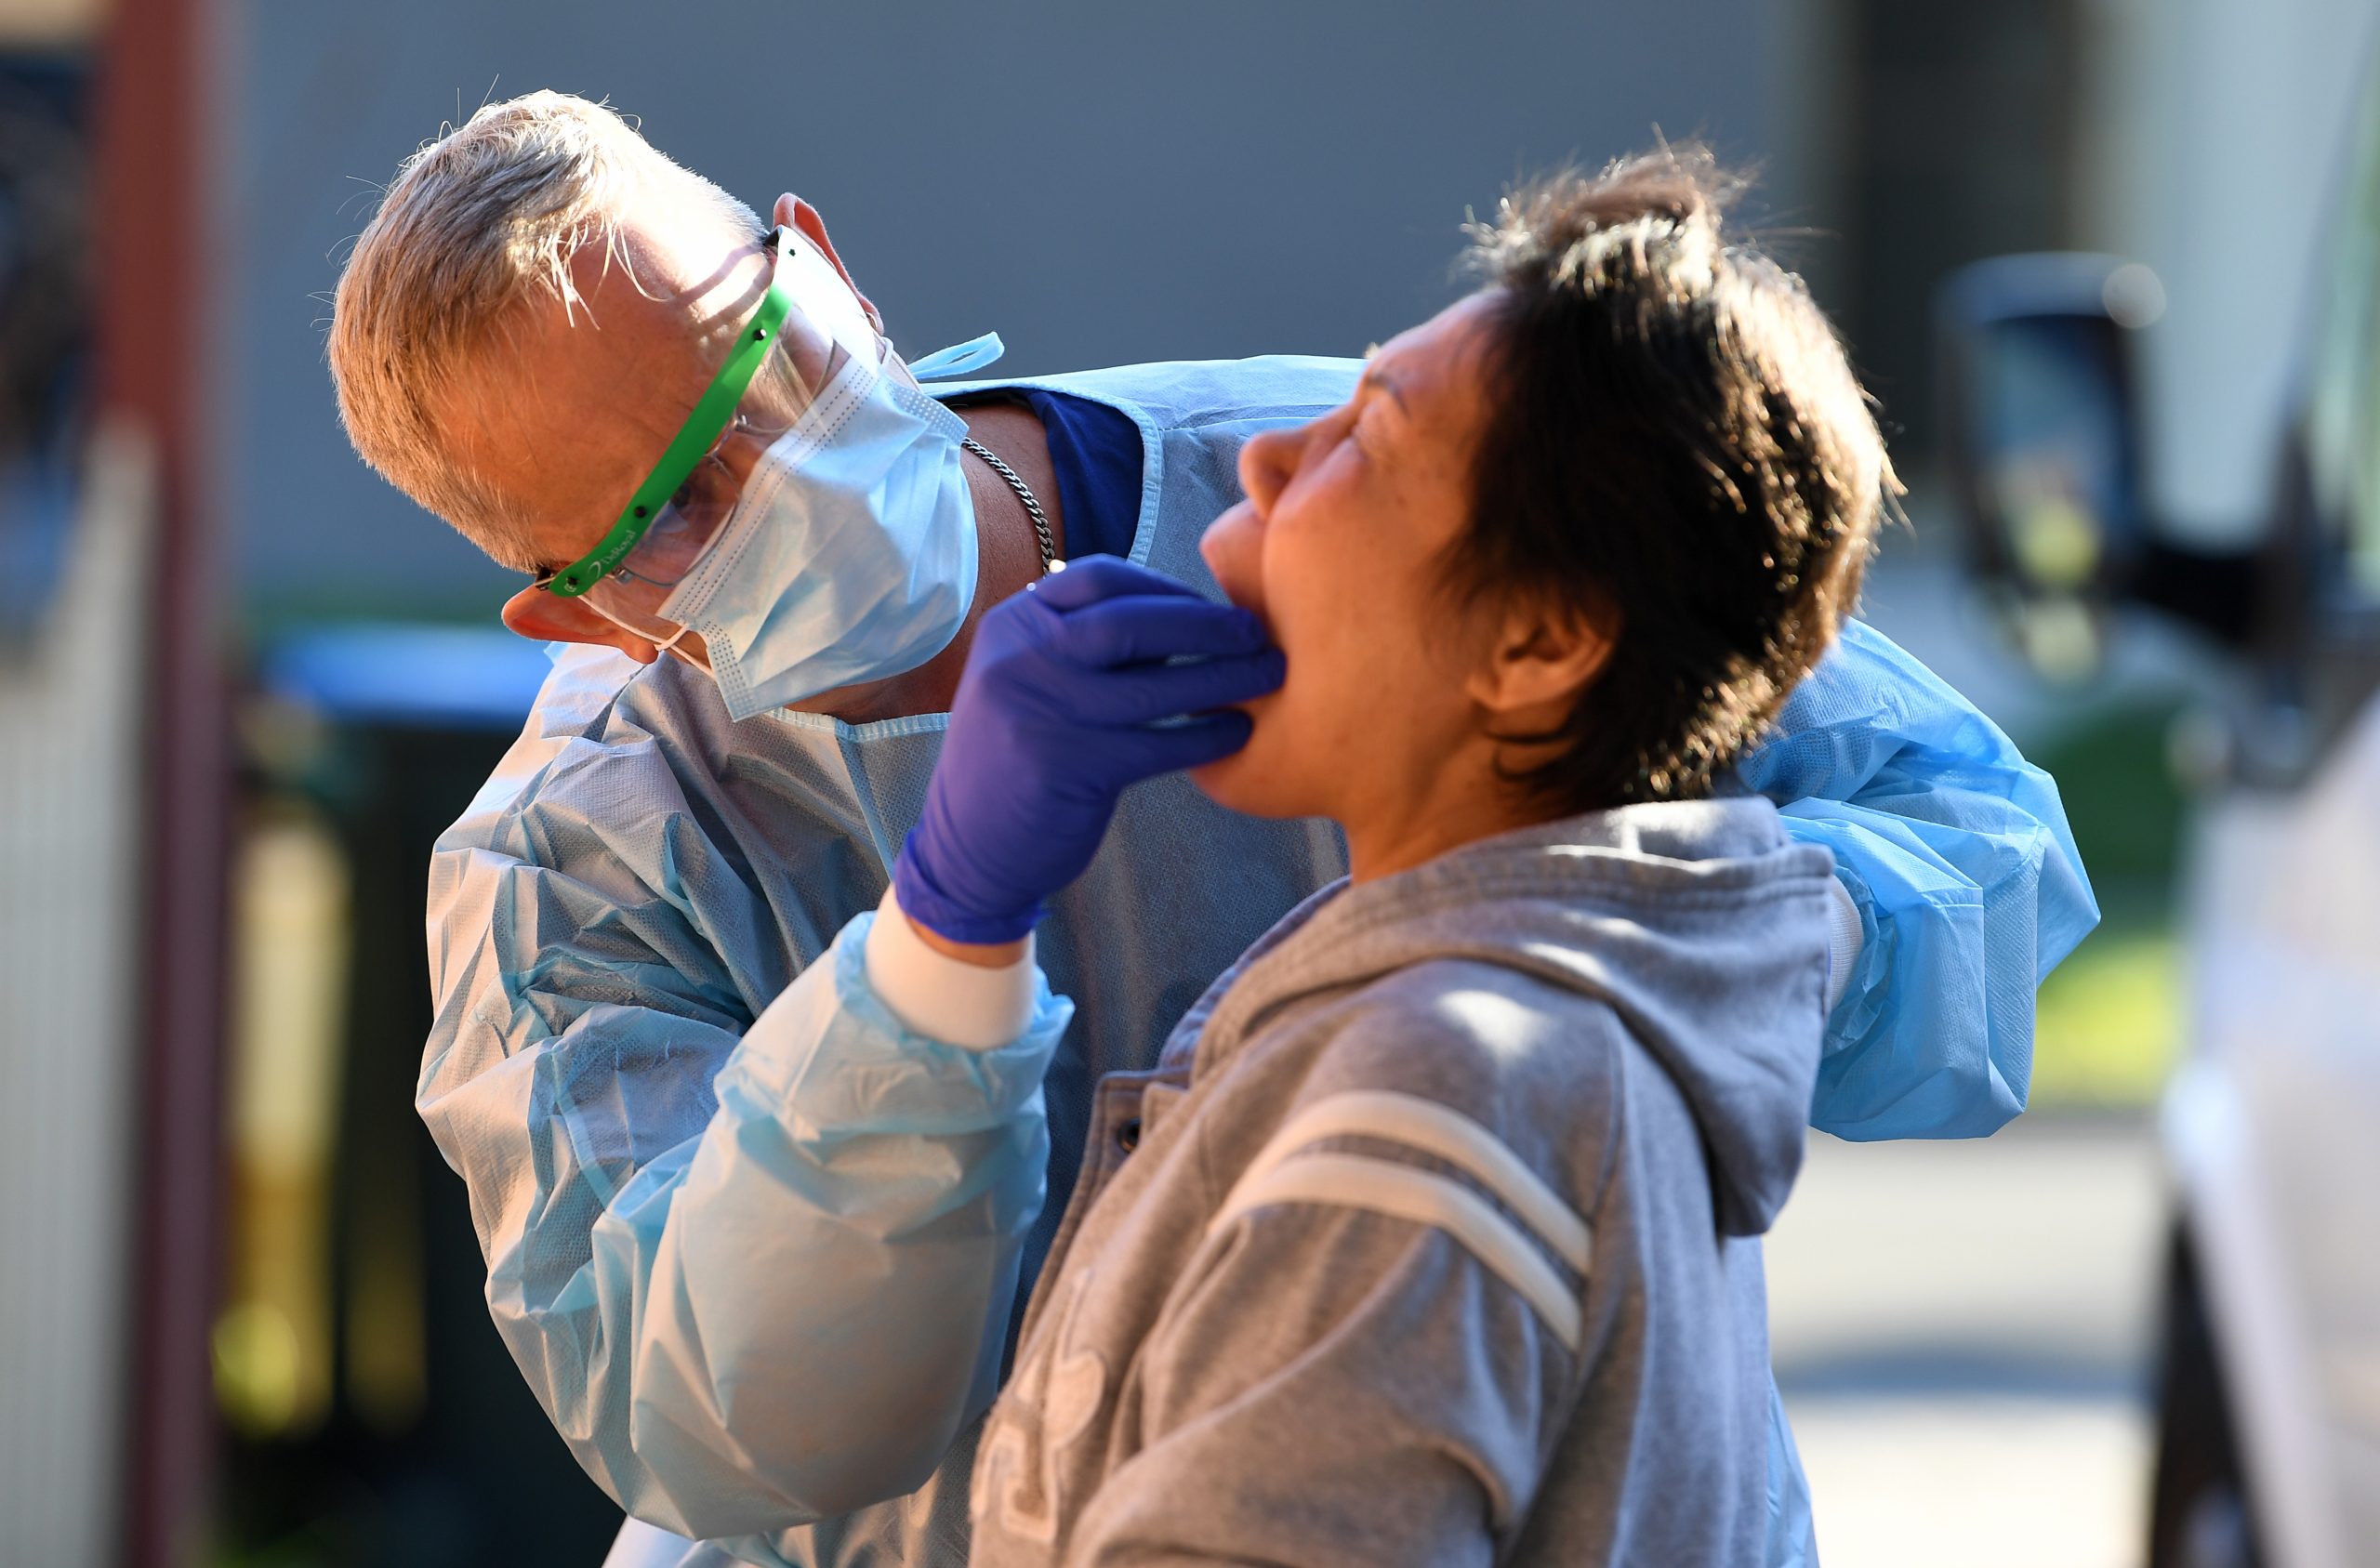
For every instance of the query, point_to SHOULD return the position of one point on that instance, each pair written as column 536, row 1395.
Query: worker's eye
column 710, row 485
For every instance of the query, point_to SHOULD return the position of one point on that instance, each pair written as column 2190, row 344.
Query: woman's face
column 1339, row 548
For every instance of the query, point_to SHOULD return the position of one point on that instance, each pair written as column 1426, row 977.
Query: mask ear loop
column 658, row 648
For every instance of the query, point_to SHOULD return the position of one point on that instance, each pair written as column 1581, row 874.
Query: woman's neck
column 1462, row 801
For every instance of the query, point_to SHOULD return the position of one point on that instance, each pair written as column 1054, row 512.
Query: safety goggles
column 799, row 342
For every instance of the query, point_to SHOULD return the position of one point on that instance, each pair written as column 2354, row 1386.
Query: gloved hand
column 1055, row 715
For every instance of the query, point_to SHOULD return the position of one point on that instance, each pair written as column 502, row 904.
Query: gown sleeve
column 755, row 1260
column 1958, row 855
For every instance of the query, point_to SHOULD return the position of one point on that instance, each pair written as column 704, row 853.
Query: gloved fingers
column 1096, row 577
column 1144, row 694
column 1147, row 752
column 1138, row 628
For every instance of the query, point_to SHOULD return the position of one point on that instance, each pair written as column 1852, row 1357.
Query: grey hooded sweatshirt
column 1433, row 1239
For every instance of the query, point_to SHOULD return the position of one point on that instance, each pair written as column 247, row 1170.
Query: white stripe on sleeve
column 1433, row 1129
column 1425, row 1198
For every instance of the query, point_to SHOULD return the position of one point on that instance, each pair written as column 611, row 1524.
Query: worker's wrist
column 1844, row 937
column 976, row 954
column 933, row 909
column 958, row 993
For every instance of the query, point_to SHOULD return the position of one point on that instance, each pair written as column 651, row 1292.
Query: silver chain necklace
column 1050, row 561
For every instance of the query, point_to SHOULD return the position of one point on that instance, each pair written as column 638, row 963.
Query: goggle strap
column 695, row 438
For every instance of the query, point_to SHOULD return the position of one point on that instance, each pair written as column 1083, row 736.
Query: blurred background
column 244, row 683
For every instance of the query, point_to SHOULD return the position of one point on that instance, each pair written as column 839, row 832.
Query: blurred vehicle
column 2267, row 1386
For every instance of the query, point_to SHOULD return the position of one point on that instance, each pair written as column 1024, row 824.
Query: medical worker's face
column 1338, row 546
column 582, row 402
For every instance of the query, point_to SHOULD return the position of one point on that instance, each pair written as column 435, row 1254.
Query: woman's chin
column 1236, row 783
column 1244, row 782
column 1222, row 782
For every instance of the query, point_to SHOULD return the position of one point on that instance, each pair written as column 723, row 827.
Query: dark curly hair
column 1676, row 449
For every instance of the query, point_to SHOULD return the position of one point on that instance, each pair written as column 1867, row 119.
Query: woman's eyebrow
column 1380, row 381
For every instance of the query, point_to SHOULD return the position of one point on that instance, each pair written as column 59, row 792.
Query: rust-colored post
column 156, row 287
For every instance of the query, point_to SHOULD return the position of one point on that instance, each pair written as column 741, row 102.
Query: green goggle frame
column 695, row 438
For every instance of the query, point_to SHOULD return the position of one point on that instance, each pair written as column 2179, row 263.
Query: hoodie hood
column 1701, row 923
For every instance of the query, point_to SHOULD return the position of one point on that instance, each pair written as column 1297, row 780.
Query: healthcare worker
column 765, row 1305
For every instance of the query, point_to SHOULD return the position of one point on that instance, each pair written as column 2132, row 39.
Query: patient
column 1434, row 1238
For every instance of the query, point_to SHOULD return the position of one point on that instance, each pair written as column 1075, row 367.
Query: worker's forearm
column 829, row 1299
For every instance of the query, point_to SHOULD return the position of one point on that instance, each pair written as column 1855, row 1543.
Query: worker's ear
column 794, row 213
column 549, row 617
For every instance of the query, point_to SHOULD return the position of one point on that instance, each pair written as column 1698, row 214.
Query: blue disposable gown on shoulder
column 763, row 1292
column 1957, row 853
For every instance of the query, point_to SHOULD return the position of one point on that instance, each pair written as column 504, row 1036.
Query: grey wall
column 1102, row 182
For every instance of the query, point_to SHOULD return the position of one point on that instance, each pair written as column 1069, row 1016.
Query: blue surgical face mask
column 851, row 555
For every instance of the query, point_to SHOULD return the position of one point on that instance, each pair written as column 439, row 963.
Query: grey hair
column 482, row 218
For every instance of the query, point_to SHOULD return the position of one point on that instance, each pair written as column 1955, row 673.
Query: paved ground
column 1961, row 1332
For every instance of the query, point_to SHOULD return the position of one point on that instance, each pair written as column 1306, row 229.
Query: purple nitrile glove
column 1069, row 695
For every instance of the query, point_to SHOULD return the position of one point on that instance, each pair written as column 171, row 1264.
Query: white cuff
column 1843, row 937
column 940, row 998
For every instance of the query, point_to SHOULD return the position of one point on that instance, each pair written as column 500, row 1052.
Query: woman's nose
column 1230, row 549
column 1266, row 463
